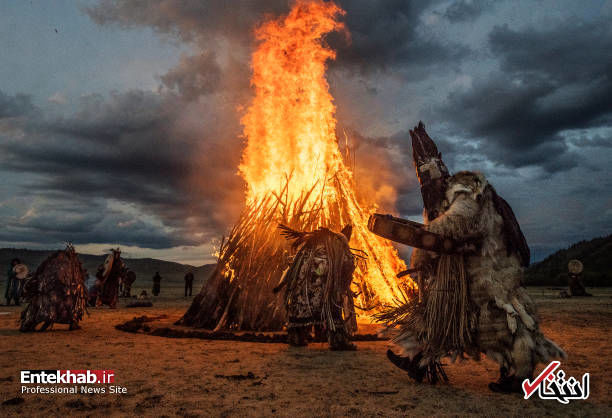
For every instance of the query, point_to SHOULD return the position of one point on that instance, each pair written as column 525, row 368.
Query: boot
column 339, row 341
column 74, row 326
column 45, row 325
column 296, row 337
column 411, row 366
column 506, row 383
column 399, row 361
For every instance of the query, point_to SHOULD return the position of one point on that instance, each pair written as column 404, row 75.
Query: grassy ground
column 189, row 377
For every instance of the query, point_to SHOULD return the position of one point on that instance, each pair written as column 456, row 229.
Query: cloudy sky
column 119, row 120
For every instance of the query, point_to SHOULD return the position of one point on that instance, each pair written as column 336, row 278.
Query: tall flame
column 290, row 129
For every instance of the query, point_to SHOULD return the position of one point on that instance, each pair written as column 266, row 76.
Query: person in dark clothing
column 188, row 283
column 13, row 284
column 92, row 292
column 576, row 286
column 128, row 280
column 156, row 283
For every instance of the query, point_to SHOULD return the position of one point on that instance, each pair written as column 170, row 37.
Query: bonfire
column 295, row 175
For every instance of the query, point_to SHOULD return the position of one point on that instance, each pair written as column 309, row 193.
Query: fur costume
column 55, row 293
column 318, row 286
column 109, row 275
column 474, row 303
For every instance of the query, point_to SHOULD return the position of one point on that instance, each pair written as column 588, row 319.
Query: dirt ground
column 191, row 377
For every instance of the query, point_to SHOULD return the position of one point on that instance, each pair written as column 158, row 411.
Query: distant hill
column 172, row 273
column 596, row 256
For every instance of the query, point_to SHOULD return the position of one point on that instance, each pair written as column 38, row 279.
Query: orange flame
column 290, row 130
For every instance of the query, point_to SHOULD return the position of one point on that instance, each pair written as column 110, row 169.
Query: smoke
column 382, row 168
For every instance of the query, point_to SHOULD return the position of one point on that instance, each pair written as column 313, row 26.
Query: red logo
column 549, row 385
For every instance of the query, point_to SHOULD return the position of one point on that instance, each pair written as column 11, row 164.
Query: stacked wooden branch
column 239, row 294
column 56, row 292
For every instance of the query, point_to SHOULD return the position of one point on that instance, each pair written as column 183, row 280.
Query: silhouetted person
column 13, row 284
column 188, row 283
column 128, row 280
column 93, row 285
column 576, row 286
column 156, row 283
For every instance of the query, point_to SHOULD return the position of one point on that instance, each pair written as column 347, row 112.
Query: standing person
column 156, row 283
column 108, row 277
column 21, row 273
column 12, row 284
column 188, row 282
column 318, row 287
column 470, row 302
column 128, row 280
column 576, row 286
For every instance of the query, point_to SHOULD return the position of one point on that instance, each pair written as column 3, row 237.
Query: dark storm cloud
column 218, row 29
column 189, row 20
column 568, row 52
column 118, row 118
column 143, row 148
column 466, row 10
column 384, row 34
column 15, row 106
column 596, row 141
column 82, row 221
column 550, row 80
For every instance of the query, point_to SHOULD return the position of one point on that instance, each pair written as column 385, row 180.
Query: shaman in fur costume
column 56, row 293
column 318, row 282
column 474, row 303
column 108, row 277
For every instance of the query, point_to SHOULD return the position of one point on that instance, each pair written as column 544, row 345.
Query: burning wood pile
column 295, row 175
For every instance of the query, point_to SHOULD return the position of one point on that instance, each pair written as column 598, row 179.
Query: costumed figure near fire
column 470, row 299
column 56, row 293
column 318, row 285
column 108, row 276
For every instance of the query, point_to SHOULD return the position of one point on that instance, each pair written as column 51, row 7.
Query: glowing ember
column 290, row 130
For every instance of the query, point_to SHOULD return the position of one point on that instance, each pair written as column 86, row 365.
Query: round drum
column 21, row 271
column 575, row 266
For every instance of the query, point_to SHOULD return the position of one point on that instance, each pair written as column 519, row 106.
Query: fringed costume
column 318, row 287
column 473, row 302
column 108, row 276
column 56, row 293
